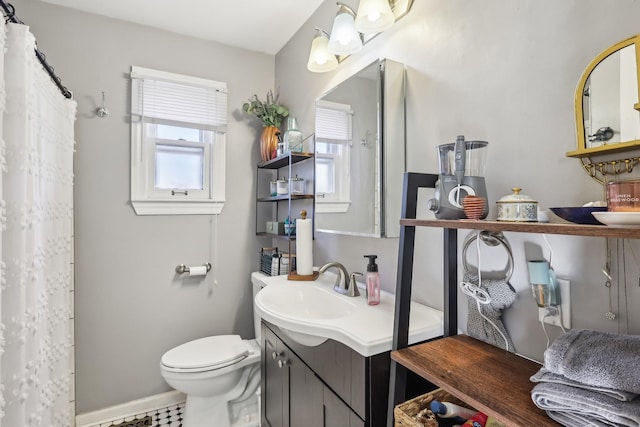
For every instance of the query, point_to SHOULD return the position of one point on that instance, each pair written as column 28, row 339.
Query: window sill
column 154, row 207
column 332, row 207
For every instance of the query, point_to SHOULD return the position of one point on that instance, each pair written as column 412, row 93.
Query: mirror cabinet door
column 360, row 153
column 607, row 102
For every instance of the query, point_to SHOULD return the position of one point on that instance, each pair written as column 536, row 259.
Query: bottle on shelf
column 478, row 420
column 450, row 410
column 292, row 136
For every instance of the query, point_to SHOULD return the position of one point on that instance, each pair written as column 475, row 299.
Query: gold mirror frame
column 583, row 150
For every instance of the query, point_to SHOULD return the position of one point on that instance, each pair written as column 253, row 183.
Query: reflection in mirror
column 360, row 146
column 609, row 95
column 607, row 102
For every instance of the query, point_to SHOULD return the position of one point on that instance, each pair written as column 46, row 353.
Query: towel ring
column 490, row 239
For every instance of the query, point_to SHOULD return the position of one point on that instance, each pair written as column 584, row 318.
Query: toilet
column 216, row 373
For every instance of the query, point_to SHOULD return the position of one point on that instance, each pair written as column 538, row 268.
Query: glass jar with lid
column 282, row 186
column 273, row 188
column 297, row 185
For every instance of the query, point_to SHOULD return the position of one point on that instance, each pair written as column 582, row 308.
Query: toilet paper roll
column 304, row 247
column 200, row 270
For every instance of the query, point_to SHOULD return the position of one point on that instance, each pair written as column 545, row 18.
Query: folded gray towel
column 575, row 407
column 598, row 359
column 546, row 376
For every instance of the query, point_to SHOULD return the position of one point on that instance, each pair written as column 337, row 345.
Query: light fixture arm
column 343, row 8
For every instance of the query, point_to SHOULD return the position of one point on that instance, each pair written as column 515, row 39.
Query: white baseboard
column 128, row 409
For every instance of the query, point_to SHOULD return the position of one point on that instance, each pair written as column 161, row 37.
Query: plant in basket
column 271, row 113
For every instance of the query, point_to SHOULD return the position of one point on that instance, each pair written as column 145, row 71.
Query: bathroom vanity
column 326, row 356
column 326, row 385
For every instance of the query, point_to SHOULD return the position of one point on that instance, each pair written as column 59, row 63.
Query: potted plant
column 271, row 113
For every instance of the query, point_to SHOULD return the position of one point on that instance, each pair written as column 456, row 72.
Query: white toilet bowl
column 213, row 372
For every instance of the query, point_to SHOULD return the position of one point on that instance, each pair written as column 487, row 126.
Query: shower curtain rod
column 10, row 16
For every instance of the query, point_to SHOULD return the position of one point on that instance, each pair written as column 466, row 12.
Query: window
column 178, row 134
column 333, row 144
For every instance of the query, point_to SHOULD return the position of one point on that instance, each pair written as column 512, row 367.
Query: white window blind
column 166, row 98
column 333, row 122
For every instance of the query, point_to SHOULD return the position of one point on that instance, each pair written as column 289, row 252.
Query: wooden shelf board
column 285, row 197
column 529, row 227
column 491, row 380
column 275, row 236
column 282, row 161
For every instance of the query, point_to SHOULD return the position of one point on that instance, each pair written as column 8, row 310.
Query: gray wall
column 130, row 305
column 505, row 72
column 496, row 70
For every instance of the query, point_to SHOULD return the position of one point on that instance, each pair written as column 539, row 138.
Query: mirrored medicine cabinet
column 607, row 102
column 360, row 153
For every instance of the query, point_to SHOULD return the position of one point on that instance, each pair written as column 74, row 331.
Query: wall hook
column 102, row 111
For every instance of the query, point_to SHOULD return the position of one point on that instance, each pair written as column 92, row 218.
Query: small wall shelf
column 488, row 378
column 277, row 208
column 568, row 229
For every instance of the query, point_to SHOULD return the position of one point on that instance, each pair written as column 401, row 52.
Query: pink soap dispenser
column 372, row 279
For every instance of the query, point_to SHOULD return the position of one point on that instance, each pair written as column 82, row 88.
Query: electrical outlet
column 565, row 307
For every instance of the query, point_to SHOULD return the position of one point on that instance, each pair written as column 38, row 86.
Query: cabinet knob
column 275, row 355
column 282, row 363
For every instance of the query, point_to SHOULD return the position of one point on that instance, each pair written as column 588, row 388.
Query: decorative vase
column 292, row 136
column 269, row 142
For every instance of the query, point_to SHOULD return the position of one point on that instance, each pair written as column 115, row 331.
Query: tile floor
column 163, row 417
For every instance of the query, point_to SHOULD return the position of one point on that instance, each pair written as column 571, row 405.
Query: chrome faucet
column 342, row 280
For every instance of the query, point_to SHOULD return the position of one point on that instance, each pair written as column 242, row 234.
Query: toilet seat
column 206, row 354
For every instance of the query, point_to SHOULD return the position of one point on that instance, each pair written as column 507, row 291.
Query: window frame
column 340, row 200
column 145, row 198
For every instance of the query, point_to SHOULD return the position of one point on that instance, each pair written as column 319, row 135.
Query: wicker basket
column 417, row 413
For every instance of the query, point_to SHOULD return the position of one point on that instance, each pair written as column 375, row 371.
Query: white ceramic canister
column 517, row 207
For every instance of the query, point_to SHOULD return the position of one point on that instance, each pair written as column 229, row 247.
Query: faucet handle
column 353, row 285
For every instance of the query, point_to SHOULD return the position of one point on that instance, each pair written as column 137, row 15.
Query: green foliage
column 270, row 112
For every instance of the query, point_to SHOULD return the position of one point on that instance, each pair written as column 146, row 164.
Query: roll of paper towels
column 304, row 247
column 200, row 270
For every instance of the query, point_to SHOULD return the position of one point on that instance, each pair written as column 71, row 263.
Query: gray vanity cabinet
column 329, row 385
column 290, row 390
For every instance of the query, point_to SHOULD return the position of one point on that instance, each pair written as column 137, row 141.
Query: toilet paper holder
column 181, row 268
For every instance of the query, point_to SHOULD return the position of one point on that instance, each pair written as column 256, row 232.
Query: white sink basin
column 310, row 312
column 298, row 300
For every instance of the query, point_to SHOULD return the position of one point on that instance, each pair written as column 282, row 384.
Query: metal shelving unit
column 273, row 169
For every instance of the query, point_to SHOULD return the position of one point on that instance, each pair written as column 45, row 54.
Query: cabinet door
column 305, row 395
column 275, row 382
column 336, row 413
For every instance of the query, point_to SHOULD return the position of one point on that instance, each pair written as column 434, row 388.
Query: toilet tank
column 257, row 283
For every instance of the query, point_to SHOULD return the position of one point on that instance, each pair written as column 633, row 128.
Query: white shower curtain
column 36, row 186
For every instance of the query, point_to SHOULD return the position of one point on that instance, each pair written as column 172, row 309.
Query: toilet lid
column 206, row 352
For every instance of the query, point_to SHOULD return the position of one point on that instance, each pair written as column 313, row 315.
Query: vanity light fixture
column 374, row 16
column 344, row 39
column 350, row 31
column 320, row 59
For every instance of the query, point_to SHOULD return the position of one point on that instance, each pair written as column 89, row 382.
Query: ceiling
column 258, row 25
